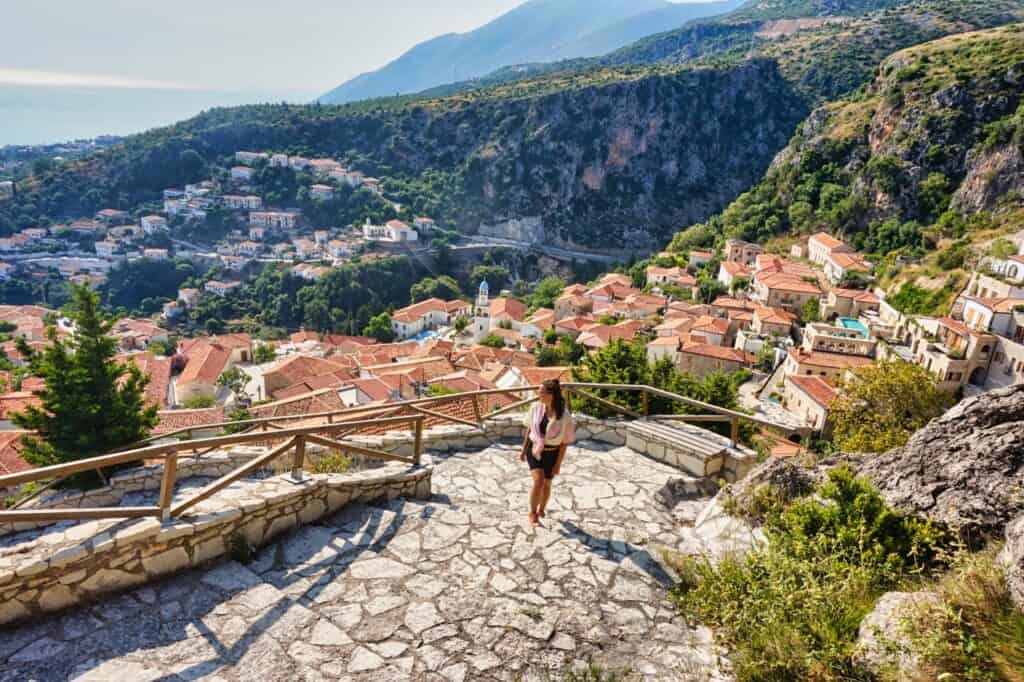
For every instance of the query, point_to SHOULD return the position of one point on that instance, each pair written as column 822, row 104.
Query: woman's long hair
column 554, row 387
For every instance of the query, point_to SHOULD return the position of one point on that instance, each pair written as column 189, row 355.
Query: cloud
column 61, row 79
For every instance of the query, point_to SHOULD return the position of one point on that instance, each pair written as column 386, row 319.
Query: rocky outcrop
column 717, row 533
column 882, row 645
column 965, row 469
column 1012, row 557
column 991, row 175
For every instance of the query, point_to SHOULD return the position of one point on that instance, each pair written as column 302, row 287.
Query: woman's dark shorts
column 547, row 461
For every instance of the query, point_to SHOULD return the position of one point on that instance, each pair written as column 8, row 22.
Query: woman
column 549, row 432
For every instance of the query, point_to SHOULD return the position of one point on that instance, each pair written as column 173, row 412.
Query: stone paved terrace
column 457, row 587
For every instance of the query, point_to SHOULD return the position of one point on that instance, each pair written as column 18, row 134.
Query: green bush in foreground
column 973, row 632
column 790, row 611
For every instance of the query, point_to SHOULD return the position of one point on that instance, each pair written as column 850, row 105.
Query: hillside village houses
column 977, row 346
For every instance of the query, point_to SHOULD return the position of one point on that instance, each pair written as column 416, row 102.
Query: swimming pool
column 854, row 324
column 425, row 336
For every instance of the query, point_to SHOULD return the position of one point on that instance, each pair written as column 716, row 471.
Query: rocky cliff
column 965, row 469
column 940, row 126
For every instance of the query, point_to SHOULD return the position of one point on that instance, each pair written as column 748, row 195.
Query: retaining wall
column 74, row 564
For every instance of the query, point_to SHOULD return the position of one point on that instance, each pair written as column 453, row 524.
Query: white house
column 1001, row 316
column 395, row 231
column 822, row 245
column 151, row 224
column 429, row 314
column 1012, row 268
column 250, row 158
column 218, row 288
column 321, row 192
column 242, row 203
column 105, row 249
column 242, row 174
column 839, row 265
column 282, row 220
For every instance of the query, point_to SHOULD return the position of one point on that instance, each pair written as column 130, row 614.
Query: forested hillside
column 616, row 153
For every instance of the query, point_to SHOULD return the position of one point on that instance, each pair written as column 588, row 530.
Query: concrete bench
column 698, row 451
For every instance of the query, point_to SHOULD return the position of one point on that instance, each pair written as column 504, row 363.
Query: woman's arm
column 561, row 455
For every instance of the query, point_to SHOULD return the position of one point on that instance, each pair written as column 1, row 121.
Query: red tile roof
column 538, row 375
column 830, row 360
column 827, row 240
column 374, row 388
column 17, row 401
column 159, row 371
column 770, row 315
column 717, row 352
column 295, row 369
column 817, row 389
column 997, row 305
column 172, row 420
column 508, row 307
column 206, row 362
column 856, row 295
column 11, row 461
column 784, row 281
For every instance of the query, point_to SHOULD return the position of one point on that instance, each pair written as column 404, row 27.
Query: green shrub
column 199, row 402
column 333, row 462
column 973, row 632
column 791, row 609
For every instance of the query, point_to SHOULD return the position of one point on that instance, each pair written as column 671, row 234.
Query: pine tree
column 91, row 403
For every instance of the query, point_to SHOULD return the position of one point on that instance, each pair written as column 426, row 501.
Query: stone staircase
column 698, row 451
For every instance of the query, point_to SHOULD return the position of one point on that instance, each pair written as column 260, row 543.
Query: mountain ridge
column 537, row 31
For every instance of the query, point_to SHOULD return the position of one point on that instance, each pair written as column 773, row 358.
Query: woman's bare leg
column 545, row 495
column 537, row 490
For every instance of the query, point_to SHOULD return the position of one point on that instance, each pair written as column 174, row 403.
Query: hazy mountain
column 537, row 31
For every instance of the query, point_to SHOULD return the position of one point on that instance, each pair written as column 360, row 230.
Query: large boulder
column 882, row 643
column 965, row 469
column 1013, row 557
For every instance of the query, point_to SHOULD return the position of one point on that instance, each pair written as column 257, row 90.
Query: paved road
column 478, row 242
column 453, row 588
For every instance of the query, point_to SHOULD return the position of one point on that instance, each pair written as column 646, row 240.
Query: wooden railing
column 330, row 432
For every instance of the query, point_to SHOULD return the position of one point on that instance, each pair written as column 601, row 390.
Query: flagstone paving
column 457, row 587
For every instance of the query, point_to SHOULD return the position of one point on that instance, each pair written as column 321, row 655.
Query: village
column 790, row 319
column 86, row 249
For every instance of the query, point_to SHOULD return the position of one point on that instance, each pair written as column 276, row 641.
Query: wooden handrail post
column 567, row 394
column 417, row 448
column 734, row 431
column 644, row 394
column 476, row 411
column 167, row 485
column 298, row 458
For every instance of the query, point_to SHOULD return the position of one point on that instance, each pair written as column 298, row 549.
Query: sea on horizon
column 50, row 115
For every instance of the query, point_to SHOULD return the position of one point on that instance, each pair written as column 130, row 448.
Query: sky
column 288, row 49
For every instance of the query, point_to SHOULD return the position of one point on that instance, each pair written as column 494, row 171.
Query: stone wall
column 74, row 564
column 137, row 479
